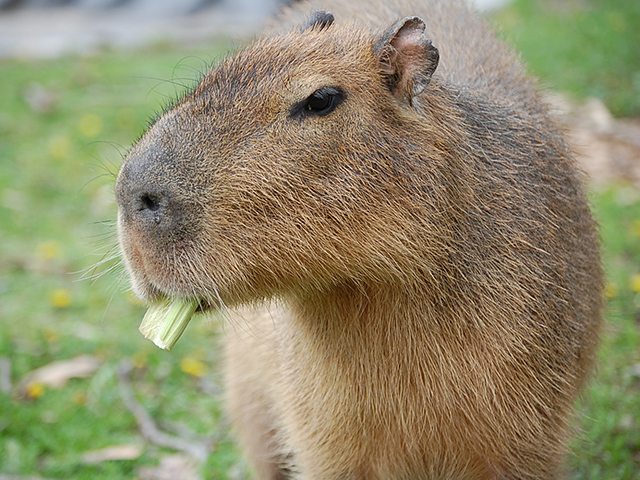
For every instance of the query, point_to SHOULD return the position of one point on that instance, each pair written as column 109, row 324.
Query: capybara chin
column 382, row 199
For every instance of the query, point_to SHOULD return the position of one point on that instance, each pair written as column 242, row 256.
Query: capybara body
column 402, row 236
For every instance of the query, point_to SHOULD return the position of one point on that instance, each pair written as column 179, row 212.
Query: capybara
column 393, row 221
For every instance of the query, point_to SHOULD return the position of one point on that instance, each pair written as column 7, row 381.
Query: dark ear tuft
column 318, row 21
column 407, row 58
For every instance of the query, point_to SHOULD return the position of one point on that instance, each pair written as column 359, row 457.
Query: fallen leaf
column 57, row 374
column 171, row 467
column 115, row 452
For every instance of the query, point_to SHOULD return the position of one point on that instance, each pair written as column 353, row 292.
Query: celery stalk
column 165, row 320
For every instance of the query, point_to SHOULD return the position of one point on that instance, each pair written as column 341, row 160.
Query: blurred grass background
column 64, row 127
column 582, row 47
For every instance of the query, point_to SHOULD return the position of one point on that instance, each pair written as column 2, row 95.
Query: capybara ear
column 318, row 21
column 407, row 58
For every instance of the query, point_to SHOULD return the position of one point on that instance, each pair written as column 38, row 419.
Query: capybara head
column 292, row 165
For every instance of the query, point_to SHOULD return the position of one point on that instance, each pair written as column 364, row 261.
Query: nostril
column 149, row 202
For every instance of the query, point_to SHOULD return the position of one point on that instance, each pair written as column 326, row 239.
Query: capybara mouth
column 170, row 308
column 158, row 271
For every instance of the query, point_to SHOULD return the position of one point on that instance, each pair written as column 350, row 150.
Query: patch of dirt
column 607, row 149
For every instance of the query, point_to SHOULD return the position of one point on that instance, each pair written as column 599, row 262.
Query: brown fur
column 415, row 275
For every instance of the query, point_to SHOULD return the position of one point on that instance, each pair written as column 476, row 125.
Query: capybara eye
column 321, row 102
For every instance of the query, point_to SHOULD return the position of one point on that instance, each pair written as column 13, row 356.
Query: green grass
column 582, row 47
column 609, row 447
column 56, row 218
column 56, row 215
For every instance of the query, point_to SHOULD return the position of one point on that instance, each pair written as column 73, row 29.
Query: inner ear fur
column 407, row 58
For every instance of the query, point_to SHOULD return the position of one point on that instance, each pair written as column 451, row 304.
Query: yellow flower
column 34, row 390
column 90, row 125
column 193, row 367
column 635, row 283
column 60, row 298
column 49, row 250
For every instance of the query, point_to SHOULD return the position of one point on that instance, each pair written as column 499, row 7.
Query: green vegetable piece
column 165, row 320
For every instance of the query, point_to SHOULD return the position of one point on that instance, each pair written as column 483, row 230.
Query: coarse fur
column 413, row 269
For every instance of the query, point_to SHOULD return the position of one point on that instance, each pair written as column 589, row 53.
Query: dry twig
column 199, row 448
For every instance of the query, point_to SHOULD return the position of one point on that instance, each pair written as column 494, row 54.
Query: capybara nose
column 146, row 197
column 150, row 201
column 149, row 204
